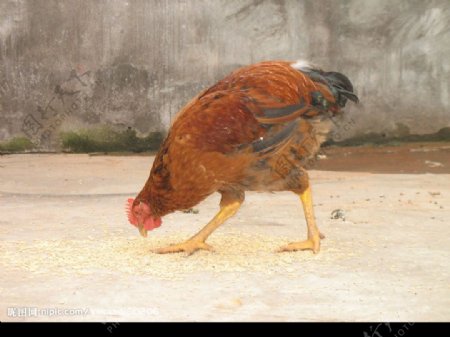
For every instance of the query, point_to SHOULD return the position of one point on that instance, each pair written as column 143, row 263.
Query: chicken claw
column 310, row 244
column 314, row 235
column 190, row 247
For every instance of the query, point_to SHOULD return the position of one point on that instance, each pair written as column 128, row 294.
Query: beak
column 143, row 231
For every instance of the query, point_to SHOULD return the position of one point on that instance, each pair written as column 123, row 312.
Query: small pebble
column 338, row 214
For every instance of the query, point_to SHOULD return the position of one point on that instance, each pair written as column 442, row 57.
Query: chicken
column 255, row 130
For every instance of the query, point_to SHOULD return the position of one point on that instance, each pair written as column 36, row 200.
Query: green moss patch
column 17, row 144
column 108, row 140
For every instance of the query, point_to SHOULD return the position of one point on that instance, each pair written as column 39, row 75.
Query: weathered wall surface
column 66, row 65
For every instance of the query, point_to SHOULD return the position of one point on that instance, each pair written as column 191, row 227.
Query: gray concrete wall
column 67, row 65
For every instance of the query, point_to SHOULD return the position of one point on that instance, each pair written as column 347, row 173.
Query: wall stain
column 146, row 58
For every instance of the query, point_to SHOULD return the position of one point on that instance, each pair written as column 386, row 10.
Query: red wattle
column 151, row 223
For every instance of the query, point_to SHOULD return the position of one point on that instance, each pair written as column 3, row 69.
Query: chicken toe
column 310, row 244
column 189, row 247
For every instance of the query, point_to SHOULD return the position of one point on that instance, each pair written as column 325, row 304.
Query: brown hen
column 255, row 130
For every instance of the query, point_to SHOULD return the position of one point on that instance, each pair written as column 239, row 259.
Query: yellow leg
column 314, row 236
column 228, row 207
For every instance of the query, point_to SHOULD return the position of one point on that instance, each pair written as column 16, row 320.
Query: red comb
column 131, row 218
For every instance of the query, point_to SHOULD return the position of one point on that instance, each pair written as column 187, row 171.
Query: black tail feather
column 263, row 146
column 339, row 84
column 342, row 85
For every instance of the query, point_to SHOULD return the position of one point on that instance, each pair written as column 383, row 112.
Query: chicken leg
column 314, row 236
column 229, row 205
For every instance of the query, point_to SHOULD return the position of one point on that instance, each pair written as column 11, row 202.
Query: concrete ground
column 65, row 244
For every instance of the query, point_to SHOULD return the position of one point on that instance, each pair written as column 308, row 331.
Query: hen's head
column 140, row 216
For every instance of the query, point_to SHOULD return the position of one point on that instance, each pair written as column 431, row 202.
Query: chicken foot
column 314, row 236
column 229, row 205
